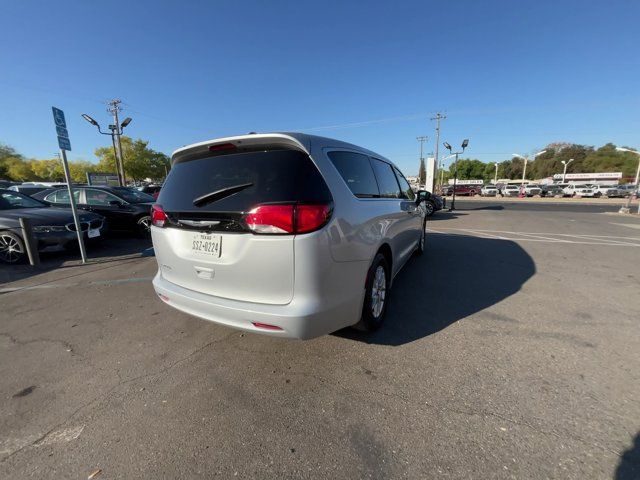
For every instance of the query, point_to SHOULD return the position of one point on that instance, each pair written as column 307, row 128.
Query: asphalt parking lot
column 511, row 350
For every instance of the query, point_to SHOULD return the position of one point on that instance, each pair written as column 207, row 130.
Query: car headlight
column 48, row 228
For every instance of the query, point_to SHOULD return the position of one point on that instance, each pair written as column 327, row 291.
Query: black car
column 153, row 190
column 53, row 228
column 126, row 209
column 434, row 203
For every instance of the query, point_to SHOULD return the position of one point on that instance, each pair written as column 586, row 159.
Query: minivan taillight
column 158, row 217
column 288, row 218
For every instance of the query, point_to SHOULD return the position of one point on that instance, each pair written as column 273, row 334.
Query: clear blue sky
column 511, row 76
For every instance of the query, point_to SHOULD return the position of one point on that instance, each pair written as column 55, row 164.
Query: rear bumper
column 302, row 319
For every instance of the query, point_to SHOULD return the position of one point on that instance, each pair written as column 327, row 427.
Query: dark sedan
column 53, row 228
column 434, row 203
column 126, row 209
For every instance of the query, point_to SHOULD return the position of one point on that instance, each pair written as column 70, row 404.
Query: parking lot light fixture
column 524, row 170
column 90, row 120
column 628, row 150
column 464, row 145
column 566, row 164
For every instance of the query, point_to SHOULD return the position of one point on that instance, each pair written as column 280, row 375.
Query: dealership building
column 607, row 178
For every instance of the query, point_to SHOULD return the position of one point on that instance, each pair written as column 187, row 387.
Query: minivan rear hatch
column 229, row 217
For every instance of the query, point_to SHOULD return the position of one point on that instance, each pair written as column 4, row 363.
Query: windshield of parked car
column 133, row 196
column 14, row 200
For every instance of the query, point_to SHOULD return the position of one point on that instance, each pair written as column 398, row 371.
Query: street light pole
column 442, row 169
column 524, row 171
column 421, row 139
column 116, row 131
column 566, row 164
column 627, row 208
column 495, row 178
column 455, row 172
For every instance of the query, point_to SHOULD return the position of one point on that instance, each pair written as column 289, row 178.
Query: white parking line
column 607, row 240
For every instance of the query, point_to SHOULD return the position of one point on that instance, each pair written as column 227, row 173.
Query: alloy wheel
column 378, row 291
column 10, row 249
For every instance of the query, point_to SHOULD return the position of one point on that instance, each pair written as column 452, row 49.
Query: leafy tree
column 468, row 169
column 140, row 161
column 48, row 170
column 608, row 159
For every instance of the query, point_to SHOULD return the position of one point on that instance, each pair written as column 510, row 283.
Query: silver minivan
column 285, row 234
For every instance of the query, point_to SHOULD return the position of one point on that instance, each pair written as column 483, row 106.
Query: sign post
column 65, row 144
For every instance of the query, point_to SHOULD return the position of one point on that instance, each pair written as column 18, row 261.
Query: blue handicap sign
column 58, row 117
column 61, row 129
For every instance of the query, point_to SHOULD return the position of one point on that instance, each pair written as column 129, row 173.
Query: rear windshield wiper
column 219, row 194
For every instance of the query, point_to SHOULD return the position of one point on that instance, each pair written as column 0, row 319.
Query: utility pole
column 113, row 109
column 421, row 139
column 116, row 131
column 437, row 118
column 495, row 178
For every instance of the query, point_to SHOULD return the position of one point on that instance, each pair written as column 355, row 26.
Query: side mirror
column 115, row 203
column 421, row 196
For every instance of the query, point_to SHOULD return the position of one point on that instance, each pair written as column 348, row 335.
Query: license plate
column 210, row 245
column 93, row 233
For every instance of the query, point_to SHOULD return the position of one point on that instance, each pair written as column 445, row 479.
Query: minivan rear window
column 276, row 175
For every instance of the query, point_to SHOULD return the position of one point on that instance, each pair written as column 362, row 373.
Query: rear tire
column 144, row 226
column 430, row 208
column 12, row 248
column 376, row 295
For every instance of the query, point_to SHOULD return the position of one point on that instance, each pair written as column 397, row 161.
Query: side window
column 356, row 171
column 100, row 197
column 404, row 185
column 387, row 182
column 62, row 196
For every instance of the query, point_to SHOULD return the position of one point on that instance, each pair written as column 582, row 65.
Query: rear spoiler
column 238, row 144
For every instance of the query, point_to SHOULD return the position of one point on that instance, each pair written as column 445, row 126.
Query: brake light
column 158, row 217
column 222, row 146
column 271, row 219
column 311, row 217
column 288, row 218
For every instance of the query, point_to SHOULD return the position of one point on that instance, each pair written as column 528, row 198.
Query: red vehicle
column 468, row 190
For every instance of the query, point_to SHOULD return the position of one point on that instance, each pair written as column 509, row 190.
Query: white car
column 511, row 190
column 607, row 191
column 573, row 190
column 489, row 191
column 532, row 189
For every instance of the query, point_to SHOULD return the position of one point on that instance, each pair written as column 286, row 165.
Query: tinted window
column 404, row 185
column 356, row 171
column 62, row 196
column 276, row 176
column 132, row 195
column 387, row 182
column 16, row 200
column 100, row 197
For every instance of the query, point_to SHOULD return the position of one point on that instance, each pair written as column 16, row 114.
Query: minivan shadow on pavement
column 456, row 277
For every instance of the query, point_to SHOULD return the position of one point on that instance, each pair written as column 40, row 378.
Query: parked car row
column 53, row 228
column 550, row 190
column 101, row 209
